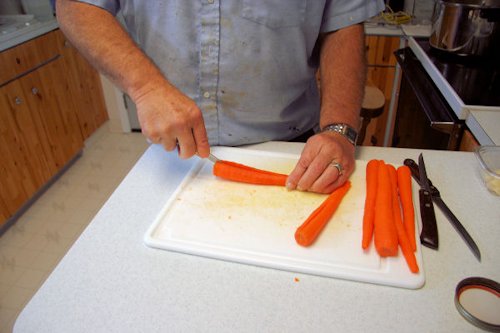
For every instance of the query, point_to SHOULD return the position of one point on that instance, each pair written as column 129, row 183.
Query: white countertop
column 109, row 281
column 29, row 32
column 485, row 125
column 403, row 30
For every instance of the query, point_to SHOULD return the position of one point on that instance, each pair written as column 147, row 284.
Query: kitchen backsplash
column 420, row 9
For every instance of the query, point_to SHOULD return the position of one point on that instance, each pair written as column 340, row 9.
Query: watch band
column 347, row 131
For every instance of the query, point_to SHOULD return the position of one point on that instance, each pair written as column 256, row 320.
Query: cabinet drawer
column 25, row 57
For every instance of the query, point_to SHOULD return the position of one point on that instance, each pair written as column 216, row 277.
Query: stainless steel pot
column 466, row 27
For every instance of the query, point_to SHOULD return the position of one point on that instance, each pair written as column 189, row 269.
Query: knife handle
column 429, row 234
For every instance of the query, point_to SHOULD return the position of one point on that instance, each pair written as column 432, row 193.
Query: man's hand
column 170, row 118
column 327, row 160
column 316, row 170
column 166, row 115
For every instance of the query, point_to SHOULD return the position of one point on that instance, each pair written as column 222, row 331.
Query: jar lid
column 478, row 300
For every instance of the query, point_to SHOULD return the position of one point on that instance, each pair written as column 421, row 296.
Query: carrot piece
column 307, row 233
column 386, row 236
column 403, row 240
column 371, row 194
column 405, row 195
column 245, row 174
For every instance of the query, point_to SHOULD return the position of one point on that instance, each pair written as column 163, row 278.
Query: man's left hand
column 325, row 164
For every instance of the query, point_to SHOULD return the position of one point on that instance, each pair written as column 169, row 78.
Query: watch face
column 345, row 130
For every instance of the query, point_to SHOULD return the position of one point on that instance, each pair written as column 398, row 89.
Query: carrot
column 371, row 193
column 403, row 240
column 405, row 195
column 307, row 233
column 245, row 174
column 386, row 236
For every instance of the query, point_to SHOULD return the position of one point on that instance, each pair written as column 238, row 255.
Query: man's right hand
column 166, row 115
column 170, row 118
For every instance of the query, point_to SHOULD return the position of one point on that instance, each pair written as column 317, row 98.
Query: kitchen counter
column 485, row 125
column 110, row 281
column 28, row 32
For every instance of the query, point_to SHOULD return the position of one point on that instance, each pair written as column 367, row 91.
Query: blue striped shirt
column 248, row 64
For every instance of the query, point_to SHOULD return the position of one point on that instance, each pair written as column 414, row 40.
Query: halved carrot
column 386, row 236
column 307, row 233
column 371, row 194
column 403, row 240
column 245, row 174
column 406, row 197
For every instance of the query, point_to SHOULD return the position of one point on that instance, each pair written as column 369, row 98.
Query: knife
column 436, row 197
column 429, row 234
column 213, row 158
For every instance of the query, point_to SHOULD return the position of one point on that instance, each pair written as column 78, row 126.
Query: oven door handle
column 444, row 126
column 432, row 101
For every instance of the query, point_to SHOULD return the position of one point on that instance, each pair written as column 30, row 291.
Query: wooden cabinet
column 50, row 101
column 382, row 74
column 86, row 88
column 468, row 141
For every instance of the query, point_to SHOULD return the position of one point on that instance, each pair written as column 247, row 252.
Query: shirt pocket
column 275, row 13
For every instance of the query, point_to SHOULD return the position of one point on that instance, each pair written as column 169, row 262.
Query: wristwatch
column 347, row 131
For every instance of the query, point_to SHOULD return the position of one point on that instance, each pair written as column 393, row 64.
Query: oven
column 436, row 93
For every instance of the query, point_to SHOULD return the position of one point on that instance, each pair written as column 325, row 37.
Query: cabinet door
column 4, row 212
column 381, row 74
column 52, row 109
column 39, row 132
column 23, row 164
column 87, row 89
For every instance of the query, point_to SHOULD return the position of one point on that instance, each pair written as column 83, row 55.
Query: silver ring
column 339, row 167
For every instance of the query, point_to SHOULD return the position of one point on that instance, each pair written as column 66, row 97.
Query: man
column 228, row 72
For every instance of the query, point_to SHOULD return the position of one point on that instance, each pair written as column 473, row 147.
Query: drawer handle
column 18, row 100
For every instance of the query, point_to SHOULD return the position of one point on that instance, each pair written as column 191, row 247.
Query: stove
column 467, row 83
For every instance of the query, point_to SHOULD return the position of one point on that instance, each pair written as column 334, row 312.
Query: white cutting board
column 255, row 224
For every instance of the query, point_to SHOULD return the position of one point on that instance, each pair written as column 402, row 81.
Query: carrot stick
column 405, row 194
column 307, row 233
column 386, row 236
column 403, row 240
column 245, row 174
column 371, row 193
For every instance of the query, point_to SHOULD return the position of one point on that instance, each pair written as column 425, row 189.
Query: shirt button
column 206, row 94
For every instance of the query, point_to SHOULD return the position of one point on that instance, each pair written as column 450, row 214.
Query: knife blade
column 429, row 234
column 213, row 158
column 436, row 197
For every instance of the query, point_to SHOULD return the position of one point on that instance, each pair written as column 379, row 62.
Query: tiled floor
column 33, row 246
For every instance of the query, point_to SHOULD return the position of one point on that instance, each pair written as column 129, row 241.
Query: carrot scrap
column 406, row 197
column 403, row 239
column 371, row 193
column 245, row 174
column 386, row 236
column 307, row 233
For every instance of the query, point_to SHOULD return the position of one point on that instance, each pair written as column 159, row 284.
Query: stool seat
column 372, row 107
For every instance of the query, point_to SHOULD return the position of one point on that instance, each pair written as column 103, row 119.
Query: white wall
column 421, row 9
column 113, row 97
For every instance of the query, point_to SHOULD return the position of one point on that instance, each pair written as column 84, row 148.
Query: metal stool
column 372, row 107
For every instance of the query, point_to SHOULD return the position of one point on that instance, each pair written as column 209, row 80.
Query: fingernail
column 289, row 186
